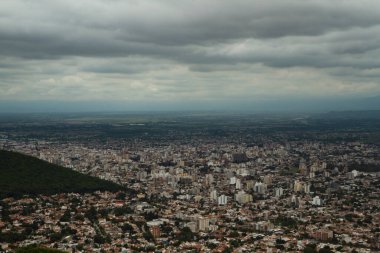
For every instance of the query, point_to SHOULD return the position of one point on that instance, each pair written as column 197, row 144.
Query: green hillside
column 21, row 174
column 32, row 249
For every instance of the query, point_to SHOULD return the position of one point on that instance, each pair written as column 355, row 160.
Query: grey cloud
column 356, row 48
column 89, row 39
column 101, row 28
column 129, row 65
column 202, row 22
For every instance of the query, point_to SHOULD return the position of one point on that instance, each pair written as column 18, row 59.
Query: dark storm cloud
column 213, row 21
column 187, row 31
column 177, row 50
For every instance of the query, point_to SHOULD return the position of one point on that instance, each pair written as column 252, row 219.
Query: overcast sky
column 194, row 52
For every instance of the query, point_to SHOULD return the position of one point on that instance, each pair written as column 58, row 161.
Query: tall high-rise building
column 249, row 184
column 260, row 188
column 222, row 200
column 307, row 187
column 213, row 195
column 317, row 201
column 238, row 184
column 203, row 224
column 155, row 231
column 298, row 186
column 279, row 192
column 209, row 179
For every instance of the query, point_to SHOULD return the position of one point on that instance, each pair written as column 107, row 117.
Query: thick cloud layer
column 172, row 49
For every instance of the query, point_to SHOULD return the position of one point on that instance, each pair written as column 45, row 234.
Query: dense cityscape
column 203, row 194
column 197, row 126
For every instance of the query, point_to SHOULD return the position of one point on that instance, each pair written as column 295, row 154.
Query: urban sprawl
column 203, row 196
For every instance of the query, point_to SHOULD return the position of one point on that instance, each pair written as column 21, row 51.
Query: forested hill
column 21, row 174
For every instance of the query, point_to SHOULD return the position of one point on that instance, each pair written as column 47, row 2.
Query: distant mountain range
column 21, row 174
column 353, row 115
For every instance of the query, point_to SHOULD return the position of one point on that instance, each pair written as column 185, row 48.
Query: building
column 263, row 226
column 317, row 201
column 260, row 188
column 242, row 197
column 203, row 224
column 239, row 158
column 298, row 186
column 155, row 231
column 238, row 184
column 268, row 179
column 323, row 235
column 279, row 192
column 222, row 200
column 209, row 179
column 352, row 174
column 307, row 188
column 193, row 226
column 214, row 195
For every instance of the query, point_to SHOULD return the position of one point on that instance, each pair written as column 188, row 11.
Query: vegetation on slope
column 32, row 249
column 21, row 174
